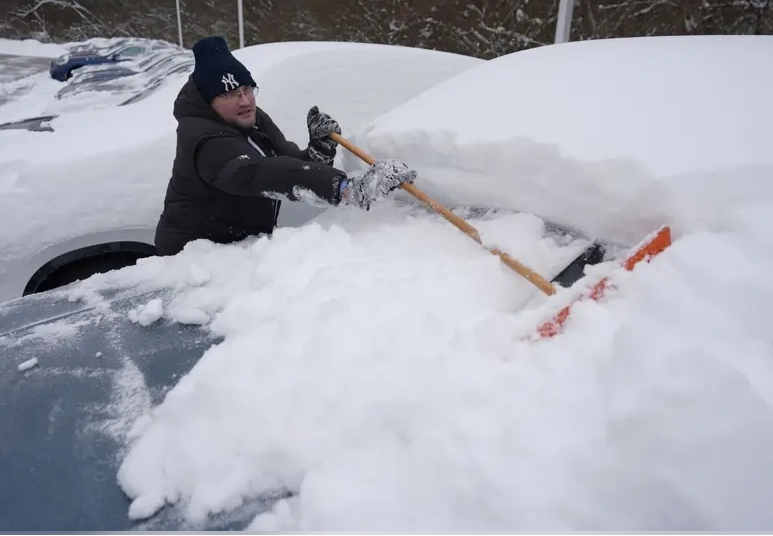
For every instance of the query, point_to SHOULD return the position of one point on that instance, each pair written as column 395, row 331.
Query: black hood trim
column 190, row 103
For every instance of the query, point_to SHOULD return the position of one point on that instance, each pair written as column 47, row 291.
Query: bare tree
column 43, row 15
column 491, row 28
column 629, row 18
column 481, row 28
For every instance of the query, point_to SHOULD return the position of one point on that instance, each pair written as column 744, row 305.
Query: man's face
column 237, row 107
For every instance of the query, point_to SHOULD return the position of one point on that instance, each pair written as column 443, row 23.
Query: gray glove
column 321, row 148
column 320, row 124
column 380, row 179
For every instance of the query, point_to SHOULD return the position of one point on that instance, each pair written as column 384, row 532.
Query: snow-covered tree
column 482, row 28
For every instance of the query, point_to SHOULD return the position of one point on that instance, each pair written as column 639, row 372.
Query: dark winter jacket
column 222, row 188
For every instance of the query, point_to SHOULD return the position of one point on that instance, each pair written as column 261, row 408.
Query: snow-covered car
column 371, row 371
column 124, row 80
column 89, row 54
column 99, row 45
column 85, row 196
column 557, row 149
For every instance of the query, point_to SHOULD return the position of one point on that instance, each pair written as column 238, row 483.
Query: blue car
column 61, row 68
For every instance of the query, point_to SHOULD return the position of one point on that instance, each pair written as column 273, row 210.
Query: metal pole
column 179, row 22
column 241, row 24
column 564, row 22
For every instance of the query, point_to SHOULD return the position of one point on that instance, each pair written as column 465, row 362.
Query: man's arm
column 229, row 164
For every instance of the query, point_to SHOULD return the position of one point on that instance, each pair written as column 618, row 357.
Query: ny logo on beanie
column 229, row 82
column 216, row 70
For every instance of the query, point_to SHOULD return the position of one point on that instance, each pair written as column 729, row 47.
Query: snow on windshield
column 373, row 363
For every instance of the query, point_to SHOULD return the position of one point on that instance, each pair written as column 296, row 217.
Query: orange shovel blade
column 646, row 250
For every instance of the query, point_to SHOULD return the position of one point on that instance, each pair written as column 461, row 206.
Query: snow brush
column 530, row 275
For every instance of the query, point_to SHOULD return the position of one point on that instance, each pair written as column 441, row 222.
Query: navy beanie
column 216, row 70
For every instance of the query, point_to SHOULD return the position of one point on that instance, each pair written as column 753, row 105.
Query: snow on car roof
column 608, row 136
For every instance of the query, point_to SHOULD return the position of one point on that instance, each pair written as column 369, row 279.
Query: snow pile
column 31, row 47
column 373, row 366
column 148, row 313
column 610, row 136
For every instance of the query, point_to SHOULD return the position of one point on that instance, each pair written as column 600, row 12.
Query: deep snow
column 611, row 137
column 374, row 363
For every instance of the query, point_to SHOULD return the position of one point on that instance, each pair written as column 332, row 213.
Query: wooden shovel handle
column 537, row 280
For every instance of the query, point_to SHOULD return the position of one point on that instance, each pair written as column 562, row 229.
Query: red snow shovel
column 537, row 280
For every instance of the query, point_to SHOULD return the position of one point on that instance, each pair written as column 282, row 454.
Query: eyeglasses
column 237, row 93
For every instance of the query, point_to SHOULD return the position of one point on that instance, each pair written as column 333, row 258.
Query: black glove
column 380, row 179
column 321, row 148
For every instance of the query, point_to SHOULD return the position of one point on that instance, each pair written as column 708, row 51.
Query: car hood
column 65, row 419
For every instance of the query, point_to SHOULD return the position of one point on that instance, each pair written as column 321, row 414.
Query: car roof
column 64, row 420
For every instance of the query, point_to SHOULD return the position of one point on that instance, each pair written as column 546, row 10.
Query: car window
column 131, row 51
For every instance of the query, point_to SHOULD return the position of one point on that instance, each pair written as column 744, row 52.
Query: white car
column 85, row 198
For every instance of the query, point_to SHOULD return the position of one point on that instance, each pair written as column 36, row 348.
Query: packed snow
column 376, row 365
column 610, row 136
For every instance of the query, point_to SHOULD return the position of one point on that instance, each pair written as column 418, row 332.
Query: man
column 233, row 165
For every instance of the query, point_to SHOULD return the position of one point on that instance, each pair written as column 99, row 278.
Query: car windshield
column 68, row 415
